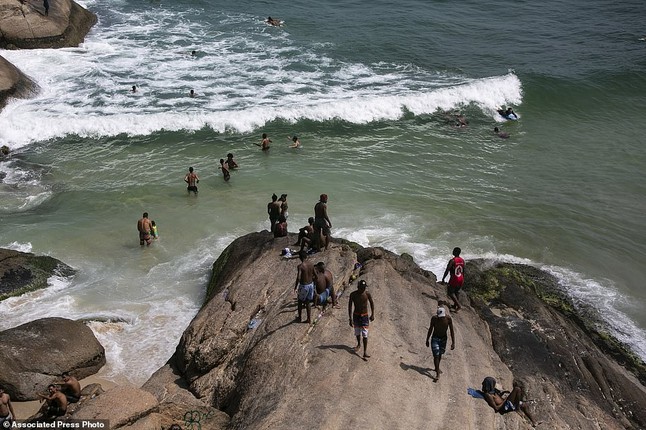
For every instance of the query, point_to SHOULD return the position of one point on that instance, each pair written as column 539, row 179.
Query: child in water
column 153, row 232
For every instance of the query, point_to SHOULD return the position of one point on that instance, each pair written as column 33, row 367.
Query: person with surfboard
column 508, row 113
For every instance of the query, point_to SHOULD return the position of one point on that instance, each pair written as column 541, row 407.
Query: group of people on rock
column 59, row 395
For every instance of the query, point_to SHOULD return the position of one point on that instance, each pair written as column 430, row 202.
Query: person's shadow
column 424, row 371
column 347, row 348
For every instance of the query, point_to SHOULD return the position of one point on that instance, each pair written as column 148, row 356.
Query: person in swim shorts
column 192, row 180
column 322, row 223
column 70, row 387
column 440, row 323
column 144, row 227
column 305, row 285
column 456, row 268
column 325, row 284
column 504, row 405
column 359, row 317
column 55, row 403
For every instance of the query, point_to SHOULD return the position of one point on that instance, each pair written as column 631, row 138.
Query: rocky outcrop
column 244, row 363
column 14, row 83
column 558, row 347
column 23, row 24
column 36, row 353
column 21, row 272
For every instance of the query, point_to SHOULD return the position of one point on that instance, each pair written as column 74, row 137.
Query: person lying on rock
column 55, row 403
column 503, row 405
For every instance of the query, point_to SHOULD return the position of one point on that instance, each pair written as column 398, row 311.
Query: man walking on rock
column 437, row 333
column 359, row 318
column 456, row 268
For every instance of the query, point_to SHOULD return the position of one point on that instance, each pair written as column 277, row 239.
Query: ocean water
column 371, row 89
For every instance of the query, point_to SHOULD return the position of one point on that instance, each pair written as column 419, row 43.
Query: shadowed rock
column 21, row 272
column 35, row 354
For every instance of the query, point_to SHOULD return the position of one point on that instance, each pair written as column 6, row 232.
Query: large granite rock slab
column 36, row 353
column 244, row 363
column 21, row 272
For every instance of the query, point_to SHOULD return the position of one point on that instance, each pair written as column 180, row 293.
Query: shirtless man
column 7, row 415
column 192, row 180
column 437, row 333
column 225, row 170
column 305, row 234
column 55, row 403
column 324, row 285
column 322, row 223
column 264, row 143
column 359, row 318
column 70, row 387
column 273, row 209
column 144, row 227
column 296, row 140
column 231, row 162
column 305, row 284
column 508, row 404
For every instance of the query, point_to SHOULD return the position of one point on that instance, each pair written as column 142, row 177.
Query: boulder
column 121, row 406
column 177, row 405
column 557, row 347
column 21, row 272
column 23, row 24
column 36, row 353
column 14, row 83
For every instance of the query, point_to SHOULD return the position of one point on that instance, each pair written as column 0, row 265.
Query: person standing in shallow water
column 359, row 318
column 225, row 170
column 192, row 180
column 144, row 227
column 456, row 268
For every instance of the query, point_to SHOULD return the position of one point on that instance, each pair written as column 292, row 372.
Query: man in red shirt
column 456, row 269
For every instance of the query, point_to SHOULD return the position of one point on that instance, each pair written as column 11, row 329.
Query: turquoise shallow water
column 367, row 88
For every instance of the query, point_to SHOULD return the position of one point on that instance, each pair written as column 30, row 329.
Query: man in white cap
column 437, row 334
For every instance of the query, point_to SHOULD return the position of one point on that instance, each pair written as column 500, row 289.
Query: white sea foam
column 242, row 79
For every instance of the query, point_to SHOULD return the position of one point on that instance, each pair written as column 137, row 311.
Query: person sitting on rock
column 503, row 405
column 55, row 403
column 280, row 230
column 70, row 387
column 7, row 415
column 305, row 234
